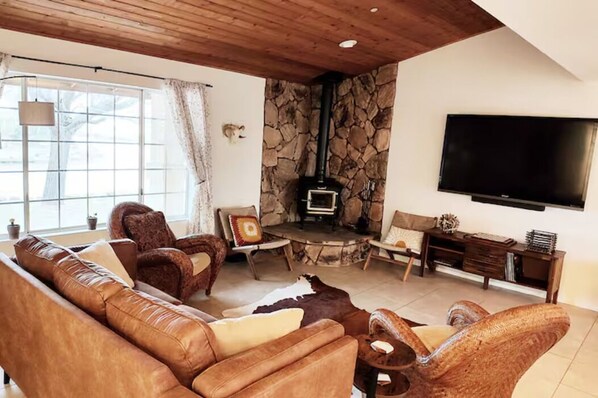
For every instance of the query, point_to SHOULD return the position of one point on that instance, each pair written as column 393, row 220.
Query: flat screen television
column 529, row 162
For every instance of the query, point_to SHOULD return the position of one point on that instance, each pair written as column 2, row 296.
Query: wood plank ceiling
column 295, row 40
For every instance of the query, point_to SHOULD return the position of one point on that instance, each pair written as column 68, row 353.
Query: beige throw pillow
column 235, row 335
column 405, row 238
column 102, row 254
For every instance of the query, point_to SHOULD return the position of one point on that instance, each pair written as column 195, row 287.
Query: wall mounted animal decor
column 233, row 132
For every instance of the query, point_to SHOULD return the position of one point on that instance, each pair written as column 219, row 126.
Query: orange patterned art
column 246, row 230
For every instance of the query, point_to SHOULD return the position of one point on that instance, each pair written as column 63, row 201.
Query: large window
column 110, row 144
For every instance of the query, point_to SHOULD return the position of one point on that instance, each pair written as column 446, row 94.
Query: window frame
column 26, row 201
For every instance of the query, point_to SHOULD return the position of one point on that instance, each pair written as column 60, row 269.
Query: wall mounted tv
column 520, row 161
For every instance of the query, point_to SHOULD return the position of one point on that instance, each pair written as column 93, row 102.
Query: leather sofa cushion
column 149, row 230
column 87, row 285
column 183, row 342
column 39, row 256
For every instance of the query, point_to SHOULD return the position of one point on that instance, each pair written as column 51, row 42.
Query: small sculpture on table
column 448, row 223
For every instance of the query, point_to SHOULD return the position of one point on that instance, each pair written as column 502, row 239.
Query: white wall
column 235, row 98
column 493, row 73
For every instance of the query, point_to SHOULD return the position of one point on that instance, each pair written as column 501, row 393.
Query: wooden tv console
column 487, row 259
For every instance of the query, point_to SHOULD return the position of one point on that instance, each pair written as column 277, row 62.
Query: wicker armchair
column 175, row 268
column 486, row 357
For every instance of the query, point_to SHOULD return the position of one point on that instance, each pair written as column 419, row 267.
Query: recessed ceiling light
column 347, row 43
column 374, row 9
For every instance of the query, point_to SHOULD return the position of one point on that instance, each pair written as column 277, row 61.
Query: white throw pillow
column 103, row 254
column 413, row 239
column 235, row 335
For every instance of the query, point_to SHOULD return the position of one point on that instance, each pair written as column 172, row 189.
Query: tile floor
column 568, row 370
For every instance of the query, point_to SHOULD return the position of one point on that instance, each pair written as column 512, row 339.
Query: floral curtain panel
column 189, row 110
column 4, row 64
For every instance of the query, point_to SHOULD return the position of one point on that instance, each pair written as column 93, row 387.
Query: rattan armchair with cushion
column 484, row 355
column 179, row 267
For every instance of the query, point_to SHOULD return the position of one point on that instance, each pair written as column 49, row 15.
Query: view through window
column 110, row 144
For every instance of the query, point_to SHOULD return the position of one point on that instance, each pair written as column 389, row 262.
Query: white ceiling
column 564, row 30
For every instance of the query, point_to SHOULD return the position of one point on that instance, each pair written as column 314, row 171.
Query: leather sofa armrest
column 327, row 372
column 233, row 374
column 126, row 251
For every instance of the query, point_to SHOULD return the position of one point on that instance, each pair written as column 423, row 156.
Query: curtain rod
column 97, row 68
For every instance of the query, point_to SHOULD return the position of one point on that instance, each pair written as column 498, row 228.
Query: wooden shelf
column 446, row 249
column 487, row 259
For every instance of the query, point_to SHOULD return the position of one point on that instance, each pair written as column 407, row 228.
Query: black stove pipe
column 324, row 129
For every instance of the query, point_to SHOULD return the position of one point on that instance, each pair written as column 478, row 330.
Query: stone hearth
column 318, row 244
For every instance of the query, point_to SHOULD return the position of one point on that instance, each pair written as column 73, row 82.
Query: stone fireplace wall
column 362, row 117
column 358, row 147
column 287, row 115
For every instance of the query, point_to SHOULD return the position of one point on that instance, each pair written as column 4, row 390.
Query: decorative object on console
column 246, row 230
column 541, row 241
column 495, row 239
column 448, row 223
column 233, row 132
column 92, row 222
column 13, row 229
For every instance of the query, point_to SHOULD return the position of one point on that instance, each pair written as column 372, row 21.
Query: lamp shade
column 36, row 113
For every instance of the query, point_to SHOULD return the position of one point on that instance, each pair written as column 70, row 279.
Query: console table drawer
column 496, row 271
column 494, row 256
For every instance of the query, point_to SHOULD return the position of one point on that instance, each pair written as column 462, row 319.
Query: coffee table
column 370, row 363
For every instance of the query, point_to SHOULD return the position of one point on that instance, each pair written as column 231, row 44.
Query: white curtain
column 4, row 64
column 189, row 110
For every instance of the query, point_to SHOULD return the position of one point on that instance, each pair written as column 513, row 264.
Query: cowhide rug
column 317, row 299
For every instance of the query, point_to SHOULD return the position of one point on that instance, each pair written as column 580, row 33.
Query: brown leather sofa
column 69, row 328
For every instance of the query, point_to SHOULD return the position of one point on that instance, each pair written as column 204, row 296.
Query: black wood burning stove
column 319, row 196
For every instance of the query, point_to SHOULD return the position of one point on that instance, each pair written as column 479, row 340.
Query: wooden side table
column 370, row 363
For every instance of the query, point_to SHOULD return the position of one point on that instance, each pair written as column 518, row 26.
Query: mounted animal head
column 233, row 132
